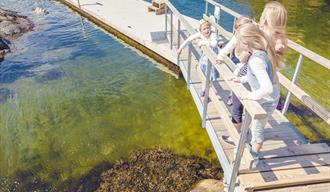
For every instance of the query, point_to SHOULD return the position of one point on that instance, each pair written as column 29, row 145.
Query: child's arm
column 213, row 40
column 258, row 68
column 229, row 47
column 188, row 40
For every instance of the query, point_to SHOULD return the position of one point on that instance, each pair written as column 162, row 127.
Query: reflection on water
column 70, row 100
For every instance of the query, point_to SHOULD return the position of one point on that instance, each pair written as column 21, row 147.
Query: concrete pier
column 130, row 21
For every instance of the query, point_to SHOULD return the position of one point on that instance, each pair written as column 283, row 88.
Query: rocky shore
column 12, row 25
column 146, row 170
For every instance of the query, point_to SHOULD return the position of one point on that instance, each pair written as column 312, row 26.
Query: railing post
column 79, row 4
column 234, row 23
column 217, row 10
column 294, row 79
column 206, row 7
column 189, row 66
column 165, row 20
column 171, row 33
column 179, row 29
column 240, row 150
column 206, row 96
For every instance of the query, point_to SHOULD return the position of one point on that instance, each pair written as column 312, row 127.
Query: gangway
column 288, row 161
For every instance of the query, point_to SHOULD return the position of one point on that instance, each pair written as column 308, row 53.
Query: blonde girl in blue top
column 261, row 76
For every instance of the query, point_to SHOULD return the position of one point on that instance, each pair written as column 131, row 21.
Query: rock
column 40, row 11
column 209, row 185
column 9, row 30
column 12, row 26
column 157, row 170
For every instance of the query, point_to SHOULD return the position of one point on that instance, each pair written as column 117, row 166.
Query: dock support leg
column 171, row 32
column 79, row 4
column 179, row 29
column 239, row 154
column 189, row 65
column 165, row 21
column 206, row 96
column 294, row 79
column 206, row 7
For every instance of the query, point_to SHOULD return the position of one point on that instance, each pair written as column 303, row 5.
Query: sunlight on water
column 70, row 100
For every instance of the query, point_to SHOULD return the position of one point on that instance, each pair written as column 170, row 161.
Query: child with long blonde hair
column 261, row 76
column 273, row 23
column 207, row 37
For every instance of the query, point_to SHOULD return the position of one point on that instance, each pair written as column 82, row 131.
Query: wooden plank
column 305, row 98
column 322, row 187
column 283, row 178
column 307, row 149
column 308, row 53
column 289, row 163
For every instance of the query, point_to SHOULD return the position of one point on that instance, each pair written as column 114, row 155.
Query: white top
column 265, row 89
column 229, row 47
column 210, row 41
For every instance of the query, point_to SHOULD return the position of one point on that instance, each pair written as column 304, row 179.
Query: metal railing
column 253, row 108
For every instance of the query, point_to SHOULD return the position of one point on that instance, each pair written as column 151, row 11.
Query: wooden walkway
column 288, row 162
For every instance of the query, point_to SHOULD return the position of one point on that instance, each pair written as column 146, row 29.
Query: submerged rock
column 40, row 11
column 147, row 170
column 157, row 170
column 209, row 185
column 12, row 25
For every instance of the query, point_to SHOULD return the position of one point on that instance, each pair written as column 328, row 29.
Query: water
column 70, row 99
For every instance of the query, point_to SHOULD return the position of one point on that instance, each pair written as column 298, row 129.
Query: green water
column 72, row 99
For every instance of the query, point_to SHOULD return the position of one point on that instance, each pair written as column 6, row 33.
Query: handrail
column 295, row 46
column 252, row 107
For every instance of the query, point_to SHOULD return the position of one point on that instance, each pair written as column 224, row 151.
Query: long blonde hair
column 241, row 21
column 275, row 15
column 250, row 35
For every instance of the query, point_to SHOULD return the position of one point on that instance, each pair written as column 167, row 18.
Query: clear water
column 72, row 98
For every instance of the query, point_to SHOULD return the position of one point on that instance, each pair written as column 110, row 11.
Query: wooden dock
column 288, row 162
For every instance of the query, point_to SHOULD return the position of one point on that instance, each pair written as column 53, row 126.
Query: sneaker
column 280, row 105
column 230, row 101
column 202, row 94
column 255, row 156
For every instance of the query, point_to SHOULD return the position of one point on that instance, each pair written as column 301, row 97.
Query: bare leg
column 238, row 127
column 256, row 147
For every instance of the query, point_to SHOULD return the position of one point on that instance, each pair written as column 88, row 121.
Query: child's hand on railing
column 234, row 78
column 219, row 61
column 242, row 97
